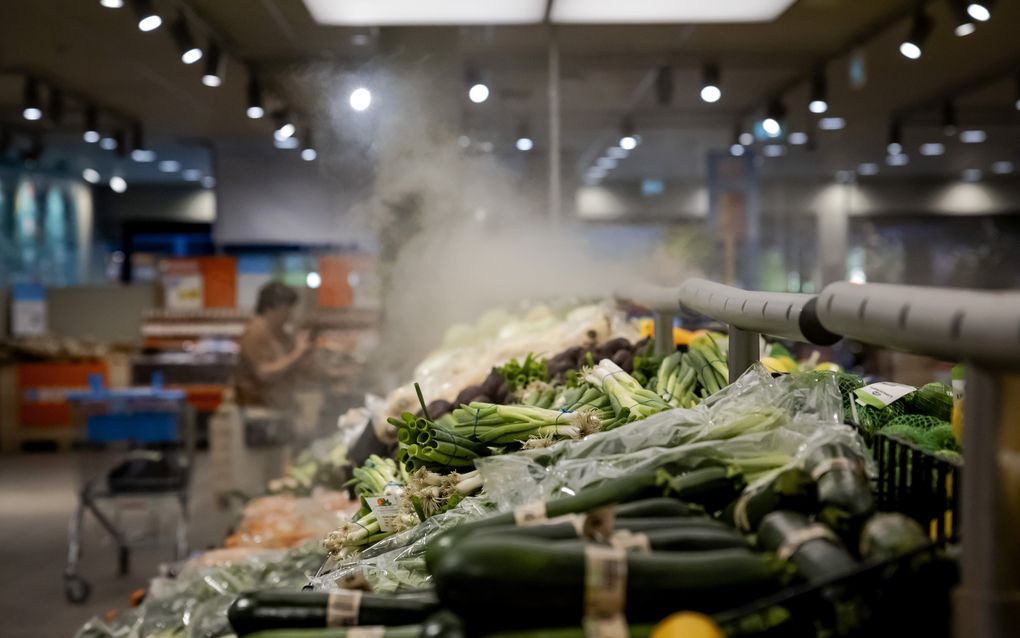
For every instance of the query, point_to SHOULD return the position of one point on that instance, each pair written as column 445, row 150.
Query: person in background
column 269, row 355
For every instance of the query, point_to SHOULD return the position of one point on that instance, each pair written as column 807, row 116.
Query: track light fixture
column 139, row 152
column 31, row 108
column 148, row 19
column 710, row 91
column 963, row 24
column 190, row 52
column 112, row 4
column 478, row 90
column 895, row 146
column 91, row 133
column 256, row 109
column 980, row 11
column 629, row 140
column 284, row 128
column 913, row 45
column 775, row 113
column 819, row 94
column 949, row 123
column 213, row 74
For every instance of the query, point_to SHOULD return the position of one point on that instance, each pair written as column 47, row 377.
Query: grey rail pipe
column 664, row 304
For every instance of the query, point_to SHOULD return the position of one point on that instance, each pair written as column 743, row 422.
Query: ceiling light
column 287, row 143
column 118, row 184
column 190, row 53
column 478, row 93
column 91, row 134
column 736, row 150
column 963, row 25
column 895, row 146
column 414, row 12
column 774, row 150
column 771, row 126
column 208, row 181
column 169, row 166
column 628, row 138
column 606, row 163
column 309, row 154
column 1004, row 167
column 112, row 4
column 628, row 142
column 143, row 155
column 191, row 174
column 148, row 19
column 971, row 175
column 710, row 91
column 139, row 152
column 108, row 143
column 980, row 11
column 616, row 152
column 898, row 159
column 255, row 108
column 973, row 136
column 464, row 141
column 746, row 139
column 797, row 138
column 933, row 149
column 913, row 45
column 91, row 175
column 213, row 74
column 665, row 12
column 775, row 113
column 819, row 94
column 525, row 144
column 867, row 169
column 832, row 123
column 32, row 105
column 596, row 172
column 361, row 99
column 284, row 128
column 313, row 280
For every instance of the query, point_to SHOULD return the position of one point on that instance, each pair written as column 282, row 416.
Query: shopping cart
column 138, row 444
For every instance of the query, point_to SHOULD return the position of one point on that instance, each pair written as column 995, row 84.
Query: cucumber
column 844, row 492
column 792, row 489
column 543, row 584
column 658, row 507
column 567, row 531
column 696, row 538
column 816, row 560
column 712, row 487
column 284, row 609
column 932, row 399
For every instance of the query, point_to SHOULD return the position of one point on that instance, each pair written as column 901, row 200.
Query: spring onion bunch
column 519, row 376
column 707, row 358
column 374, row 476
column 630, row 401
column 424, row 443
column 508, row 425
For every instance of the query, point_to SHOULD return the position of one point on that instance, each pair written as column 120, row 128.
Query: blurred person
column 270, row 356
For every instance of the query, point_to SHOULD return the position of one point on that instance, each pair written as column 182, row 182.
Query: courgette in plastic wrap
column 812, row 548
column 844, row 491
column 889, row 535
column 792, row 489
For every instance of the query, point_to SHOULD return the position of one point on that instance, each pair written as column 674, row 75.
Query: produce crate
column 919, row 484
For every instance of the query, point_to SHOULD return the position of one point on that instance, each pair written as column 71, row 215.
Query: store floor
column 37, row 498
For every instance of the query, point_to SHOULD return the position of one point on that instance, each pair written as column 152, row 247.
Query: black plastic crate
column 919, row 484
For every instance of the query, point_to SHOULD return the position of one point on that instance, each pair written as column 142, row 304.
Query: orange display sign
column 335, row 290
column 43, row 388
column 219, row 282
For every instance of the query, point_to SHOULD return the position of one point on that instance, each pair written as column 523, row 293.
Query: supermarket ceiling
column 609, row 74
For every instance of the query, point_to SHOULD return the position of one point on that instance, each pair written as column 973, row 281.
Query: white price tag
column 881, row 394
column 388, row 510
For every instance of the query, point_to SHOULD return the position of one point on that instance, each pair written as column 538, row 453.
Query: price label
column 388, row 510
column 879, row 395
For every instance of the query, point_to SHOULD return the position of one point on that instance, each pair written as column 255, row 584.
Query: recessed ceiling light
column 797, row 138
column 361, row 99
column 933, row 149
column 971, row 175
column 478, row 93
column 371, row 13
column 900, row 159
column 628, row 142
column 973, row 136
column 1003, row 167
column 867, row 168
column 832, row 123
column 665, row 11
column 525, row 144
column 143, row 155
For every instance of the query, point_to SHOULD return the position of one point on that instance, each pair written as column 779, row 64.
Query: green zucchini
column 711, row 487
column 543, row 584
column 284, row 609
column 816, row 560
column 658, row 507
column 412, row 631
column 567, row 531
column 690, row 539
column 792, row 489
column 844, row 491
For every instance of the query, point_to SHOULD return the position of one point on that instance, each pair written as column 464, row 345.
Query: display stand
column 981, row 329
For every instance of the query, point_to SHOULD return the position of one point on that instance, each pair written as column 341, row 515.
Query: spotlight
column 920, row 29
column 525, row 144
column 361, row 98
column 284, row 128
column 606, row 163
column 774, row 115
column 108, row 143
column 32, row 106
column 895, row 146
column 867, row 169
column 628, row 142
column 797, row 138
column 899, row 159
column 628, row 139
column 664, row 85
column 478, row 93
column 169, row 166
column 710, row 91
column 832, row 123
column 255, row 108
column 139, row 152
column 148, row 19
column 118, row 184
column 774, row 150
column 736, row 150
column 308, row 152
column 91, row 134
column 933, row 149
column 112, row 4
column 980, row 11
column 963, row 25
column 313, row 280
column 746, row 139
column 190, row 52
column 288, row 144
column 91, row 175
column 213, row 75
column 973, row 136
column 949, row 126
column 819, row 94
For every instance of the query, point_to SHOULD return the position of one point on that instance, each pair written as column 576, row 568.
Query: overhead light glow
column 112, row 4
column 118, row 184
column 91, row 136
column 979, row 11
column 191, row 174
column 832, row 123
column 797, row 138
column 208, row 181
column 973, row 136
column 867, row 169
column 933, row 149
column 284, row 131
column 525, row 144
column 912, row 46
column 478, row 93
column 255, row 108
column 774, row 150
column 606, row 163
column 710, row 94
column 212, row 76
column 910, row 50
column 255, row 112
column 192, row 55
column 169, row 166
column 818, row 106
column 361, row 99
column 313, row 280
column 31, row 104
column 146, row 24
column 32, row 113
column 710, row 91
column 143, row 155
column 972, row 175
column 628, row 142
column 737, row 150
column 746, row 139
column 464, row 141
column 899, row 159
column 108, row 143
column 771, row 127
column 964, row 29
column 370, row 13
column 287, row 143
column 616, row 152
column 91, row 175
column 309, row 154
column 1003, row 168
column 665, row 11
column 819, row 94
column 894, row 148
